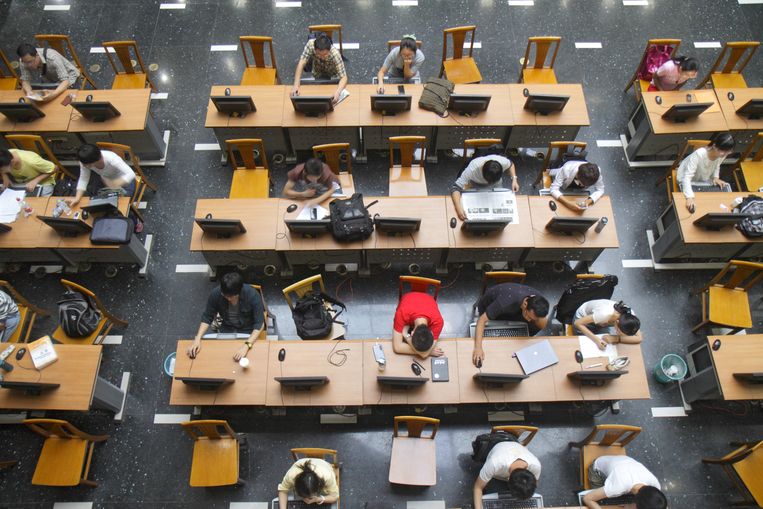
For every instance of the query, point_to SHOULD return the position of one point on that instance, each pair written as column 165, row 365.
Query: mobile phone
column 400, row 89
column 76, row 215
column 67, row 100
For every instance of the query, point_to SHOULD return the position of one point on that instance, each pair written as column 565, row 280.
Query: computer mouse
column 291, row 208
column 22, row 100
column 716, row 346
column 578, row 356
column 479, row 363
column 730, row 95
column 208, row 216
column 227, row 91
column 281, row 354
column 89, row 98
column 416, row 369
column 85, row 214
column 658, row 99
column 453, row 222
column 525, row 92
column 692, row 208
column 552, row 205
column 688, row 98
column 22, row 351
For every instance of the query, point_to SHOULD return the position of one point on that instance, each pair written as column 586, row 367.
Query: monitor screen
column 750, row 378
column 222, row 228
column 594, row 377
column 402, row 382
column 302, row 382
column 96, row 111
column 4, row 228
column 97, row 205
column 397, row 225
column 67, row 227
column 465, row 104
column 543, row 104
column 718, row 220
column 313, row 106
column 204, row 384
column 498, row 379
column 29, row 388
column 679, row 113
column 21, row 112
column 308, row 227
column 390, row 104
column 234, row 105
column 752, row 109
column 483, row 227
column 570, row 225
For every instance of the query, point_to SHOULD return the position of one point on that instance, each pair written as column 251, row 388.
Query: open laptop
column 506, row 501
column 711, row 188
column 501, row 329
column 225, row 335
column 536, row 357
column 298, row 504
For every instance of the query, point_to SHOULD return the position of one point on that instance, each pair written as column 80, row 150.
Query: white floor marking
column 159, row 95
column 521, row 3
column 191, row 268
column 223, row 47
column 705, row 45
column 405, row 3
column 588, row 45
column 668, row 411
column 206, row 146
column 112, row 340
column 632, row 3
column 609, row 143
column 288, row 4
column 56, row 8
column 171, row 418
column 172, row 6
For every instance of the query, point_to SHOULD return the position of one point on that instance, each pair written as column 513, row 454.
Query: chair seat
column 250, row 184
column 749, row 471
column 347, row 183
column 644, row 85
column 462, row 70
column 60, row 336
column 23, row 313
column 546, row 180
column 728, row 80
column 729, row 307
column 259, row 76
column 540, row 76
column 752, row 171
column 136, row 80
column 9, row 83
column 403, row 469
column 408, row 181
column 61, row 462
column 589, row 453
column 215, row 462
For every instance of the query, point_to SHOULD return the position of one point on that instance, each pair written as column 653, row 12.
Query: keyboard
column 509, row 332
column 509, row 503
column 711, row 189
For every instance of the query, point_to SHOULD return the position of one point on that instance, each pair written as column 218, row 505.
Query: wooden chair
column 407, row 178
column 257, row 72
column 725, row 299
column 554, row 153
column 35, row 143
column 418, row 284
column 395, row 44
column 273, row 325
column 28, row 313
column 335, row 154
column 328, row 455
column 671, row 182
column 523, row 434
column 329, row 30
column 141, row 182
column 457, row 67
column 569, row 329
column 539, row 72
column 66, row 453
column 63, row 44
column 496, row 277
column 748, row 172
column 105, row 324
column 729, row 74
column 130, row 75
column 414, row 456
column 9, row 80
column 640, row 85
column 215, row 453
column 744, row 466
column 250, row 178
column 312, row 284
column 475, row 143
column 604, row 440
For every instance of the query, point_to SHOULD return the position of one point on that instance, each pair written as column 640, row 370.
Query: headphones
column 618, row 364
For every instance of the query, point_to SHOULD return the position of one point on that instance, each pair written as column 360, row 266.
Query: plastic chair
column 539, row 72
column 257, row 72
column 642, row 85
column 328, row 455
column 553, row 154
column 725, row 300
column 329, row 30
column 729, row 74
column 141, row 182
column 604, row 440
column 35, row 143
column 475, row 143
column 63, row 45
column 215, row 453
column 671, row 182
column 66, row 453
column 414, row 456
column 523, row 434
column 744, row 466
column 311, row 284
column 395, row 44
column 273, row 325
column 105, row 324
column 334, row 154
column 418, row 284
column 459, row 68
column 131, row 75
column 28, row 313
column 407, row 178
column 9, row 80
column 250, row 179
column 748, row 172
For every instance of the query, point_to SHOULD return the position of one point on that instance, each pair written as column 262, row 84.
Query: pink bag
column 655, row 57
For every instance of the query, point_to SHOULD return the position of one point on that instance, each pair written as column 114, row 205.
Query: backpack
column 311, row 317
column 655, row 57
column 350, row 219
column 484, row 443
column 752, row 226
column 580, row 292
column 66, row 186
column 77, row 314
column 436, row 95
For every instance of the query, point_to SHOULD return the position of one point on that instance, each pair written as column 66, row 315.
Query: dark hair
column 422, row 338
column 649, row 497
column 538, row 305
column 5, row 158
column 231, row 284
column 687, row 63
column 628, row 323
column 307, row 483
column 588, row 174
column 88, row 153
column 522, row 483
column 723, row 141
column 25, row 49
column 408, row 43
column 313, row 166
column 322, row 41
column 492, row 171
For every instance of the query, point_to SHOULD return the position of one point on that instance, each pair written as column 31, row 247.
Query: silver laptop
column 501, row 329
column 226, row 335
column 536, row 357
column 506, row 501
column 298, row 504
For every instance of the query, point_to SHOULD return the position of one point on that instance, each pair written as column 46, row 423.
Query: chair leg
column 700, row 325
column 137, row 212
column 88, row 483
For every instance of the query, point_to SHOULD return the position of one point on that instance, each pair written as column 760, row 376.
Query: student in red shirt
column 417, row 325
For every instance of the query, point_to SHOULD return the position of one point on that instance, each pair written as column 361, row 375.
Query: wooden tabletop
column 711, row 120
column 286, row 241
column 431, row 210
column 133, row 104
column 268, row 100
column 56, row 119
column 346, row 111
column 25, row 233
column 259, row 216
column 81, row 241
column 575, row 112
column 541, row 214
column 76, row 370
column 728, row 107
column 705, row 203
column 517, row 235
column 738, row 354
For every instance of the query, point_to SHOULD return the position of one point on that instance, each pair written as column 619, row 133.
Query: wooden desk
column 25, row 243
column 742, row 128
column 56, row 119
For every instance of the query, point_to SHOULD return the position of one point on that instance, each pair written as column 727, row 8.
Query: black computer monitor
column 397, row 225
column 718, row 220
column 204, row 384
column 402, row 382
column 543, row 104
column 465, row 104
column 98, row 205
column 680, row 113
column 29, row 388
column 66, row 227
column 222, row 228
column 99, row 111
column 234, row 105
column 302, row 383
column 391, row 104
column 498, row 379
column 752, row 109
column 594, row 377
column 313, row 106
column 21, row 112
column 4, row 228
column 570, row 225
column 308, row 228
column 484, row 226
column 750, row 378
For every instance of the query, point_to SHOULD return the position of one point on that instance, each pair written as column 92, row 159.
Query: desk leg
column 108, row 396
column 286, row 268
column 432, row 149
column 442, row 264
column 364, row 269
column 701, row 382
column 291, row 155
column 361, row 157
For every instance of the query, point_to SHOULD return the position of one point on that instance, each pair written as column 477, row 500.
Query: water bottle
column 58, row 210
column 601, row 224
column 25, row 207
column 64, row 206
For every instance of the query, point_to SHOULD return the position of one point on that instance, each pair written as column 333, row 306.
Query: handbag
column 112, row 230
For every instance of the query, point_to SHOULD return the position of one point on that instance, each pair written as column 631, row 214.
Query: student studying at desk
column 614, row 320
column 417, row 325
column 574, row 176
column 673, row 74
column 482, row 173
column 403, row 61
column 313, row 181
column 27, row 168
column 50, row 66
column 614, row 476
column 511, row 462
column 326, row 62
column 9, row 317
column 703, row 167
column 312, row 480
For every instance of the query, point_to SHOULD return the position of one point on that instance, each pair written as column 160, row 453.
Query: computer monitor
column 397, row 225
column 66, row 227
column 498, row 379
column 391, row 104
column 543, row 104
column 98, row 205
column 570, row 225
column 594, row 377
column 234, row 105
column 484, row 226
column 680, row 113
column 752, row 109
column 21, row 112
column 750, row 378
column 96, row 111
column 308, row 228
column 4, row 228
column 302, row 383
column 313, row 106
column 465, row 104
column 204, row 384
column 222, row 228
column 29, row 388
column 402, row 382
column 717, row 220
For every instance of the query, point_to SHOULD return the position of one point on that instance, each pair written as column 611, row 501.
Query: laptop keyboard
column 509, row 332
column 530, row 503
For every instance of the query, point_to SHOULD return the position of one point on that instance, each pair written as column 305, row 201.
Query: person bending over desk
column 509, row 301
column 9, row 317
column 614, row 320
column 417, row 325
column 403, row 61
column 577, row 175
column 28, row 168
column 511, row 462
column 703, row 167
column 50, row 66
column 312, row 180
column 326, row 61
column 240, row 310
column 312, row 480
column 614, row 476
column 673, row 74
column 482, row 173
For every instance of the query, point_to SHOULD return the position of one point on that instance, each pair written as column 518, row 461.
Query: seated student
column 512, row 302
column 240, row 310
column 403, row 61
column 577, row 175
column 326, row 61
column 614, row 476
column 28, row 168
column 483, row 173
column 614, row 320
column 49, row 66
column 673, row 74
column 312, row 180
column 312, row 480
column 417, row 325
column 703, row 166
column 511, row 462
column 9, row 317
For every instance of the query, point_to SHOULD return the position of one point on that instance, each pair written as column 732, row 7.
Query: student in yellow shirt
column 28, row 168
column 312, row 480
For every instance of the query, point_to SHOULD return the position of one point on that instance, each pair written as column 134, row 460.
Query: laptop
column 536, row 357
column 501, row 329
column 298, row 504
column 711, row 188
column 506, row 501
column 226, row 335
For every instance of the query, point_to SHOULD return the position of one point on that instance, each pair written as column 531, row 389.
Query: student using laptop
column 312, row 480
column 703, row 167
column 313, row 181
column 614, row 320
column 417, row 325
column 28, row 169
column 512, row 302
column 483, row 173
column 511, row 462
column 239, row 308
column 574, row 176
column 614, row 476
column 9, row 317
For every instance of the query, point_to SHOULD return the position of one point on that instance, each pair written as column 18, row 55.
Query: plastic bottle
column 65, row 207
column 25, row 207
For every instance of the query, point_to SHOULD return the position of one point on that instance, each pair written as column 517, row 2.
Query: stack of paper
column 9, row 205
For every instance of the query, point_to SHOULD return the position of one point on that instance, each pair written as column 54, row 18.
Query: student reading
column 312, row 180
column 577, row 175
column 326, row 62
column 482, row 173
column 49, row 66
column 614, row 320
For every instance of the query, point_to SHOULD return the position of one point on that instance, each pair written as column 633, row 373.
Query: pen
column 594, row 366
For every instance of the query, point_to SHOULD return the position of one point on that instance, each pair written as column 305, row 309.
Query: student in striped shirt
column 9, row 317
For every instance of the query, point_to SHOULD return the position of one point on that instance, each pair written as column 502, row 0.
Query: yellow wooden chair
column 105, row 324
column 671, row 182
column 250, row 178
column 725, row 300
column 28, row 313
column 727, row 69
column 414, row 456
column 538, row 72
column 129, row 75
column 273, row 325
column 215, row 453
column 407, row 178
column 554, row 153
column 748, row 172
column 395, row 44
column 36, row 143
column 523, row 434
column 9, row 80
column 311, row 284
column 744, row 466
column 418, row 284
column 66, row 453
column 63, row 44
column 640, row 85
column 496, row 277
column 473, row 144
column 329, row 30
column 141, row 182
column 328, row 455
column 604, row 440
column 337, row 155
column 457, row 67
column 257, row 71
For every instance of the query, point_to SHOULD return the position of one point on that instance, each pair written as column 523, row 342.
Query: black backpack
column 65, row 186
column 581, row 291
column 311, row 317
column 350, row 219
column 77, row 314
column 752, row 226
column 484, row 443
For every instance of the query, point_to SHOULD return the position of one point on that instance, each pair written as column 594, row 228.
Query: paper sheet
column 307, row 213
column 342, row 96
column 9, row 206
column 491, row 205
column 590, row 350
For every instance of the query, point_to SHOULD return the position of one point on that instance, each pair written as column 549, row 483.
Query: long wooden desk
column 743, row 129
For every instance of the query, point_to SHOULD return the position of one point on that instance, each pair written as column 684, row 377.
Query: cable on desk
column 340, row 354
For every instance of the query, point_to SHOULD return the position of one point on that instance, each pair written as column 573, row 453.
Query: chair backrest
column 328, row 455
column 125, row 50
column 541, row 47
column 265, row 312
column 476, row 143
column 689, row 147
column 500, row 276
column 335, row 154
column 415, row 426
column 395, row 44
column 557, row 148
column 733, row 58
column 329, row 30
column 524, row 434
column 8, row 71
column 407, row 146
column 36, row 143
column 256, row 45
column 754, row 151
column 244, row 153
column 611, row 435
column 418, row 284
column 459, row 36
column 55, row 428
column 63, row 44
column 208, row 429
column 739, row 275
column 300, row 288
column 671, row 43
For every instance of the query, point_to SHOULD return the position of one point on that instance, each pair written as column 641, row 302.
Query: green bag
column 436, row 95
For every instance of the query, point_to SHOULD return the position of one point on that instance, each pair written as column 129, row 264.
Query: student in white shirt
column 614, row 476
column 113, row 170
column 482, row 172
column 703, row 166
column 577, row 175
column 604, row 315
column 511, row 462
